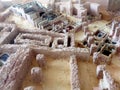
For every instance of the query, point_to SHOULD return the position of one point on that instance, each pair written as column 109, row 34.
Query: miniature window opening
column 41, row 13
column 60, row 42
column 70, row 27
column 74, row 11
column 1, row 28
column 50, row 45
column 85, row 42
column 69, row 41
column 107, row 41
column 106, row 52
column 96, row 43
column 12, row 41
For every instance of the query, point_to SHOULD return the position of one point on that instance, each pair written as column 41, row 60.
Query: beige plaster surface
column 114, row 68
column 87, row 75
column 56, row 75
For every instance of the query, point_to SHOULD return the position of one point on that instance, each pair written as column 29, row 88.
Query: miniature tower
column 93, row 48
column 116, row 34
column 86, row 29
column 90, row 40
column 114, row 25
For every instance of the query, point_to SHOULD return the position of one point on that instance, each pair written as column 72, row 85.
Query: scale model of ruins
column 68, row 45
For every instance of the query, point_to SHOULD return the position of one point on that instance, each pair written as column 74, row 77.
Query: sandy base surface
column 79, row 36
column 55, row 77
column 114, row 68
column 87, row 75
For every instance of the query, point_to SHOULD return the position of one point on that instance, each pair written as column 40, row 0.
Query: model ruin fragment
column 59, row 45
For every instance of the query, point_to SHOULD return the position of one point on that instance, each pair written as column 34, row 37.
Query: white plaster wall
column 103, row 3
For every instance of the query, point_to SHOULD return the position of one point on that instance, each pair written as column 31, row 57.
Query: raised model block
column 99, row 71
column 40, row 58
column 36, row 74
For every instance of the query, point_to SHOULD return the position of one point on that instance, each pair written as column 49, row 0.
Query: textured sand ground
column 55, row 77
column 87, row 75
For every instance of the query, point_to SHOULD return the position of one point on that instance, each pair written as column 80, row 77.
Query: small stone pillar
column 93, row 48
column 88, row 34
column 118, row 49
column 90, row 40
column 40, row 58
column 114, row 25
column 84, row 24
column 95, row 58
column 99, row 71
column 86, row 29
column 116, row 34
column 36, row 74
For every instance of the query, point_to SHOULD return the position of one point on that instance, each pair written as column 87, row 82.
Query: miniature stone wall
column 9, row 32
column 81, row 53
column 13, row 73
column 18, row 64
column 75, row 84
column 4, row 14
column 43, row 32
column 33, row 39
column 108, row 82
column 58, row 43
column 45, row 38
column 105, row 79
column 11, row 48
column 99, row 58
